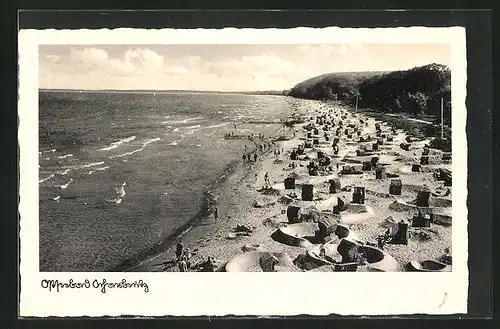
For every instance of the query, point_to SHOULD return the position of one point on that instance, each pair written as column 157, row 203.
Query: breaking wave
column 46, row 178
column 135, row 151
column 118, row 143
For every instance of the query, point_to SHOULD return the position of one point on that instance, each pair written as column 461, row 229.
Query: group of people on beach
column 229, row 135
column 278, row 152
column 183, row 257
column 248, row 157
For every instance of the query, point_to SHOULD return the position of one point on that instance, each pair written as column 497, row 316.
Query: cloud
column 249, row 66
column 175, row 70
column 144, row 59
column 327, row 50
column 96, row 61
column 88, row 56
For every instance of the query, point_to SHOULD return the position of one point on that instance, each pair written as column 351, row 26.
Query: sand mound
column 297, row 235
column 427, row 266
column 356, row 213
column 377, row 260
column 253, row 247
column 256, row 261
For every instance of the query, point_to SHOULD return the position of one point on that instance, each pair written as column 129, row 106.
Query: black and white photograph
column 241, row 158
column 158, row 157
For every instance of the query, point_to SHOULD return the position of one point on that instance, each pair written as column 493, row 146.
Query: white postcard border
column 218, row 294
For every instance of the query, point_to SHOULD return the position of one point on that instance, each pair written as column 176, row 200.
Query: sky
column 220, row 67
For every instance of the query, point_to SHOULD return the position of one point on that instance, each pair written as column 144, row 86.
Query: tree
column 416, row 103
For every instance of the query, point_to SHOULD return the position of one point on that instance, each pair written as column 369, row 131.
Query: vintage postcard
column 149, row 158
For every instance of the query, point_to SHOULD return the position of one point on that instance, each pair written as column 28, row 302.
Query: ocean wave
column 98, row 169
column 219, row 125
column 65, row 186
column 174, row 143
column 116, row 200
column 181, row 121
column 46, row 178
column 193, row 127
column 121, row 193
column 135, row 151
column 65, row 156
column 63, row 172
column 121, row 190
column 118, row 143
column 92, row 164
column 176, row 129
column 192, row 119
column 49, row 151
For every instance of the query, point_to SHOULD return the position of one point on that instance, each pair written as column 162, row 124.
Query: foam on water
column 121, row 193
column 65, row 156
column 64, row 172
column 118, row 143
column 46, row 178
column 65, row 186
column 217, row 126
column 181, row 121
column 135, row 151
column 49, row 151
column 92, row 164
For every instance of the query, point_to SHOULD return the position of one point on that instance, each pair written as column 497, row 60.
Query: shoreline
column 202, row 222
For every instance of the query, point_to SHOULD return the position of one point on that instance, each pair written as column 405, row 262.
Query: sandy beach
column 242, row 199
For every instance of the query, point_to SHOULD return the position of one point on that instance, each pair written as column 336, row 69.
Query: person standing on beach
column 255, row 157
column 183, row 264
column 266, row 179
column 179, row 251
column 216, row 214
column 244, row 157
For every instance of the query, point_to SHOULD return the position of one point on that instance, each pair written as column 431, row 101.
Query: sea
column 121, row 172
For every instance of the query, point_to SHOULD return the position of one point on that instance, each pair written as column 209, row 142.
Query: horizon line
column 164, row 90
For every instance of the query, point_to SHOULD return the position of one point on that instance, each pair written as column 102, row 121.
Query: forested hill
column 331, row 85
column 418, row 90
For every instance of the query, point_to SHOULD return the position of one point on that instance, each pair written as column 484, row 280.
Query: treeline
column 417, row 91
